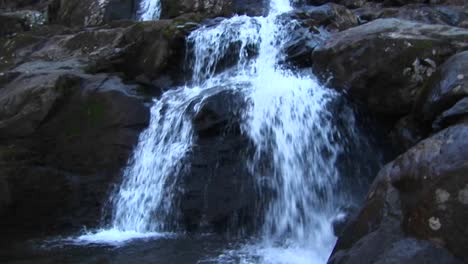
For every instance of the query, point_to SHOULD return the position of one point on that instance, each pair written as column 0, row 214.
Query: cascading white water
column 149, row 10
column 287, row 119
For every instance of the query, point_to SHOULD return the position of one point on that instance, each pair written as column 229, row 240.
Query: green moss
column 91, row 114
column 95, row 112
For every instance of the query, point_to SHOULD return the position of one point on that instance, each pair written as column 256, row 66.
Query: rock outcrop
column 447, row 87
column 64, row 136
column 420, row 195
column 408, row 54
column 72, row 106
column 217, row 171
column 213, row 8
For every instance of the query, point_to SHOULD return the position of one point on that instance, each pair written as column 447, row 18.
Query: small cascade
column 290, row 119
column 149, row 10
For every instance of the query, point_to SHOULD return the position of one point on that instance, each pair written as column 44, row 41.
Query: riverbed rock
column 213, row 8
column 421, row 195
column 448, row 86
column 24, row 4
column 430, row 14
column 408, row 54
column 89, row 12
column 308, row 30
column 331, row 17
column 218, row 190
column 361, row 3
column 146, row 52
column 64, row 137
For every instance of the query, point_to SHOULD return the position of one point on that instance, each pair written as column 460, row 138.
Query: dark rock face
column 218, row 189
column 64, row 137
column 408, row 55
column 69, row 122
column 89, row 12
column 429, row 14
column 305, row 34
column 448, row 86
column 420, row 194
column 24, row 4
column 381, row 3
column 332, row 17
column 216, row 8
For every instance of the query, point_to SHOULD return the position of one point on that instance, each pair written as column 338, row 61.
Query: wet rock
column 402, row 250
column 408, row 55
column 354, row 4
column 216, row 8
column 309, row 29
column 299, row 47
column 24, row 4
column 347, row 3
column 331, row 17
column 19, row 21
column 448, row 86
column 218, row 189
column 429, row 14
column 455, row 114
column 89, row 12
column 407, row 132
column 147, row 50
column 421, row 195
column 64, row 138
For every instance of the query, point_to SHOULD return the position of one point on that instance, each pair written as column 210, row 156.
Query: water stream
column 149, row 10
column 289, row 119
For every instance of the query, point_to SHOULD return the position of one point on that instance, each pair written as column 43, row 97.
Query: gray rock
column 420, row 194
column 448, row 85
column 213, row 8
column 408, row 54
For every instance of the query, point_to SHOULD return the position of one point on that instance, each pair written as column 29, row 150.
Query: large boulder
column 15, row 22
column 447, row 86
column 89, row 12
column 420, row 195
column 361, row 3
column 24, row 4
column 408, row 54
column 64, row 137
column 218, row 190
column 430, row 14
column 216, row 8
column 305, row 35
column 141, row 51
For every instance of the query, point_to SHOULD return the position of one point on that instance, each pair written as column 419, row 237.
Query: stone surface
column 311, row 22
column 448, row 86
column 213, row 8
column 64, row 136
column 89, row 12
column 420, row 194
column 408, row 54
column 430, row 14
column 217, row 173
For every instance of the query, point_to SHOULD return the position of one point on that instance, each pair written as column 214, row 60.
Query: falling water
column 288, row 121
column 149, row 10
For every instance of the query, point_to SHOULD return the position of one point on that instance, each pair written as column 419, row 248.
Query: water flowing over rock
column 195, row 131
column 280, row 147
column 149, row 10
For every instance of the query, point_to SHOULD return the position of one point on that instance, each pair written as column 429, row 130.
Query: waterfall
column 289, row 120
column 149, row 10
